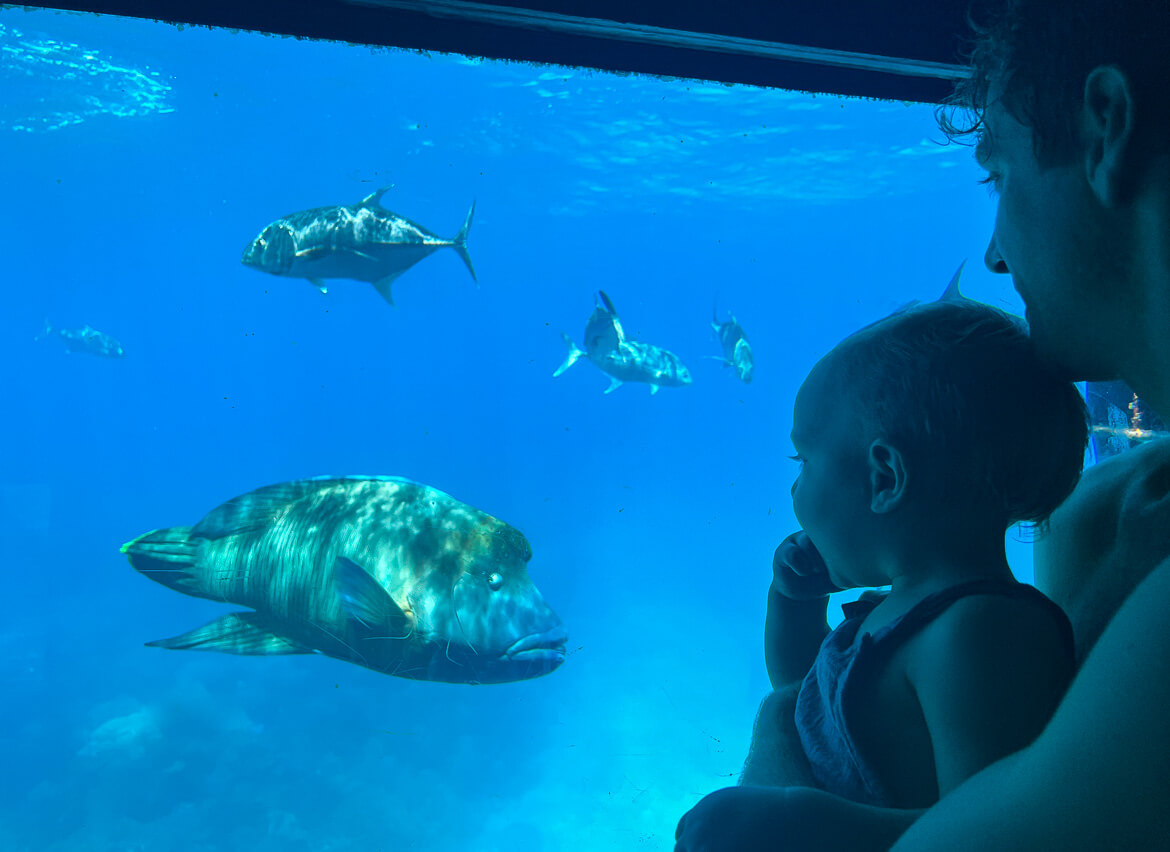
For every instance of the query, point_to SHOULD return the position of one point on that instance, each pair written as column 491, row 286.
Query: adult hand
column 1143, row 524
column 787, row 819
column 734, row 819
column 798, row 570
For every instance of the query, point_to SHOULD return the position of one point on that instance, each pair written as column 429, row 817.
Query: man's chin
column 1067, row 360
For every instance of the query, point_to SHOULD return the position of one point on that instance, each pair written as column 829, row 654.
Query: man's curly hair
column 1036, row 55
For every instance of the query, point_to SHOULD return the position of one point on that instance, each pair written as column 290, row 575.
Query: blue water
column 139, row 159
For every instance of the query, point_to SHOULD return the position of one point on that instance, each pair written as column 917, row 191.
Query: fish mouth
column 546, row 644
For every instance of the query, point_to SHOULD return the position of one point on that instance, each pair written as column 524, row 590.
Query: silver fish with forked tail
column 737, row 352
column 622, row 359
column 363, row 242
column 380, row 571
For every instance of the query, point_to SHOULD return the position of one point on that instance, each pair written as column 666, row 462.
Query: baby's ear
column 887, row 477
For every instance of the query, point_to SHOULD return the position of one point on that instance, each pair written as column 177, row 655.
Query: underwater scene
column 397, row 442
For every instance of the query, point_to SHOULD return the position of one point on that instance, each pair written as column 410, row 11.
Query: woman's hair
column 1038, row 53
column 957, row 386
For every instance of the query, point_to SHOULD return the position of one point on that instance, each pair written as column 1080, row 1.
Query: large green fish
column 380, row 571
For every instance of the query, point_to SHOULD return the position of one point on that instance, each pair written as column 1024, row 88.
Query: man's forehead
column 997, row 126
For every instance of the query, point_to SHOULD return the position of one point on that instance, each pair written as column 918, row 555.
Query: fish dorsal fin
column 374, row 199
column 952, row 293
column 257, row 509
column 366, row 602
column 617, row 323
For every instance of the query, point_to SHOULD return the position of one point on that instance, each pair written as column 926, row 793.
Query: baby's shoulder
column 993, row 628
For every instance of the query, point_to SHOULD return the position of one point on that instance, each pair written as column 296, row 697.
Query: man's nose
column 992, row 259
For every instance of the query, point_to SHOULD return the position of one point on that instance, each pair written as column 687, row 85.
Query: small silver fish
column 86, row 339
column 737, row 352
column 380, row 571
column 623, row 360
column 362, row 242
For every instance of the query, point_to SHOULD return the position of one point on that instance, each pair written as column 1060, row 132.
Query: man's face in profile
column 1046, row 238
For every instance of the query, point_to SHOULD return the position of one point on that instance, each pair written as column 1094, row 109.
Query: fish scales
column 449, row 579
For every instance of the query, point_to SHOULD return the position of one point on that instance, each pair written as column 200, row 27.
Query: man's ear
column 1107, row 129
column 887, row 477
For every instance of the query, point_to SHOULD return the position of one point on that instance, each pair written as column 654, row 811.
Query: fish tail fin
column 575, row 352
column 460, row 243
column 168, row 556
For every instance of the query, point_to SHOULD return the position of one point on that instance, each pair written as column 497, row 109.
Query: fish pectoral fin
column 246, row 633
column 365, row 601
column 363, row 255
column 319, row 284
column 382, row 285
column 311, row 253
column 613, row 383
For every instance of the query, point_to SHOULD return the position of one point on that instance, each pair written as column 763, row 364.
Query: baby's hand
column 798, row 571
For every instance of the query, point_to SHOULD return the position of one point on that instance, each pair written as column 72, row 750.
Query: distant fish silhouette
column 621, row 359
column 86, row 339
column 737, row 352
column 362, row 242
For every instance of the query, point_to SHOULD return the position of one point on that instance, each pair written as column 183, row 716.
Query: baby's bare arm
column 988, row 675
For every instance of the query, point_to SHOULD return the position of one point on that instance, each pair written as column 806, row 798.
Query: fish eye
column 495, row 581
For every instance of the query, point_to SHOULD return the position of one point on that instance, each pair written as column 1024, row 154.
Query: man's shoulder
column 1102, row 485
column 1095, row 552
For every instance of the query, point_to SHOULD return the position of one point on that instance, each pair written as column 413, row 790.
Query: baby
column 920, row 440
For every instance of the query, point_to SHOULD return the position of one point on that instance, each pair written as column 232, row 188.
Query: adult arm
column 1098, row 777
column 776, row 757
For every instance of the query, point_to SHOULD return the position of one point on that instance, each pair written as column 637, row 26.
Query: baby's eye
column 797, row 459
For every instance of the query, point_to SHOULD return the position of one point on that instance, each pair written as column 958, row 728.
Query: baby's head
column 986, row 434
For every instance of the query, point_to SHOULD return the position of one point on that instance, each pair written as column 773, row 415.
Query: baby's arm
column 793, row 631
column 797, row 600
column 988, row 675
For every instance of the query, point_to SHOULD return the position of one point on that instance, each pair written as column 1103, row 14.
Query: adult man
column 1074, row 101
